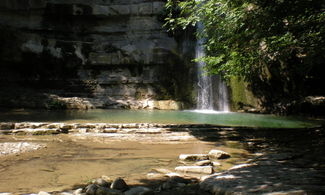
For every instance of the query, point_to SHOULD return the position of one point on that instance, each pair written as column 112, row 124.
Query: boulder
column 218, row 154
column 119, row 184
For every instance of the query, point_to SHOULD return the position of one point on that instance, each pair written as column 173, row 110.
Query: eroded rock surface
column 83, row 54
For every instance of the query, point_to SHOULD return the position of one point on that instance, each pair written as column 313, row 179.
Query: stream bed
column 69, row 160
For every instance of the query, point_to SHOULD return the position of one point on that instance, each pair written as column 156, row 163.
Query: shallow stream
column 69, row 160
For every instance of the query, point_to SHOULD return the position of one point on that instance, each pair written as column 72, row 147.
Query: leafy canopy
column 246, row 37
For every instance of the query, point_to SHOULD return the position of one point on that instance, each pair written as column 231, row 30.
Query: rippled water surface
column 156, row 116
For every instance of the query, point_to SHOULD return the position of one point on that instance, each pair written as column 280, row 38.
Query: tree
column 276, row 45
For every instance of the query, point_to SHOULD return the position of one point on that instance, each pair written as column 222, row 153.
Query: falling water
column 211, row 89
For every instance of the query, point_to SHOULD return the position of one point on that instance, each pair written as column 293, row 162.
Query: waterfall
column 212, row 90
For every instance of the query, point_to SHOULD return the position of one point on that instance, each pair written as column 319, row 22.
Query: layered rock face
column 103, row 53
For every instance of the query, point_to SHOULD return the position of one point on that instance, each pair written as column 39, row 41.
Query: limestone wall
column 111, row 53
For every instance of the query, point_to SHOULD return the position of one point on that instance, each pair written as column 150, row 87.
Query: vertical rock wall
column 103, row 53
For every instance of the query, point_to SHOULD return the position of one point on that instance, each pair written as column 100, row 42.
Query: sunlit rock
column 195, row 169
column 203, row 163
column 218, row 154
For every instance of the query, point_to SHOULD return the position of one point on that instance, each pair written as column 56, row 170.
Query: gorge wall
column 86, row 54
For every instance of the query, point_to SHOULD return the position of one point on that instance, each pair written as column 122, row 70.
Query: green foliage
column 247, row 38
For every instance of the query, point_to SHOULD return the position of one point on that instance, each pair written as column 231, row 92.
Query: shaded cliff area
column 92, row 54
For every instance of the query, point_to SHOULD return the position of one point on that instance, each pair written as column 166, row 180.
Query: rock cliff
column 85, row 54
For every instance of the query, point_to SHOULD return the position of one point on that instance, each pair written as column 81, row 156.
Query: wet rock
column 107, row 191
column 139, row 191
column 91, row 189
column 203, row 163
column 193, row 157
column 102, row 183
column 218, row 154
column 195, row 169
column 119, row 184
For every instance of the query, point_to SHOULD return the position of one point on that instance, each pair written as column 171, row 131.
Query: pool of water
column 71, row 160
column 156, row 116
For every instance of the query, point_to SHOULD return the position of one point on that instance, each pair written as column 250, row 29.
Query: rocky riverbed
column 231, row 160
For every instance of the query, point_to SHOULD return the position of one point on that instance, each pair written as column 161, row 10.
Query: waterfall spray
column 212, row 90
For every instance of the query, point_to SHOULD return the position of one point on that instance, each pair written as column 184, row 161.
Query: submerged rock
column 218, row 154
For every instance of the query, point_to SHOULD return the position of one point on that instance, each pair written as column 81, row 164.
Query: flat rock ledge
column 45, row 128
column 40, row 128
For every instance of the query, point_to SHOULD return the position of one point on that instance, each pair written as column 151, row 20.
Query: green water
column 156, row 116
